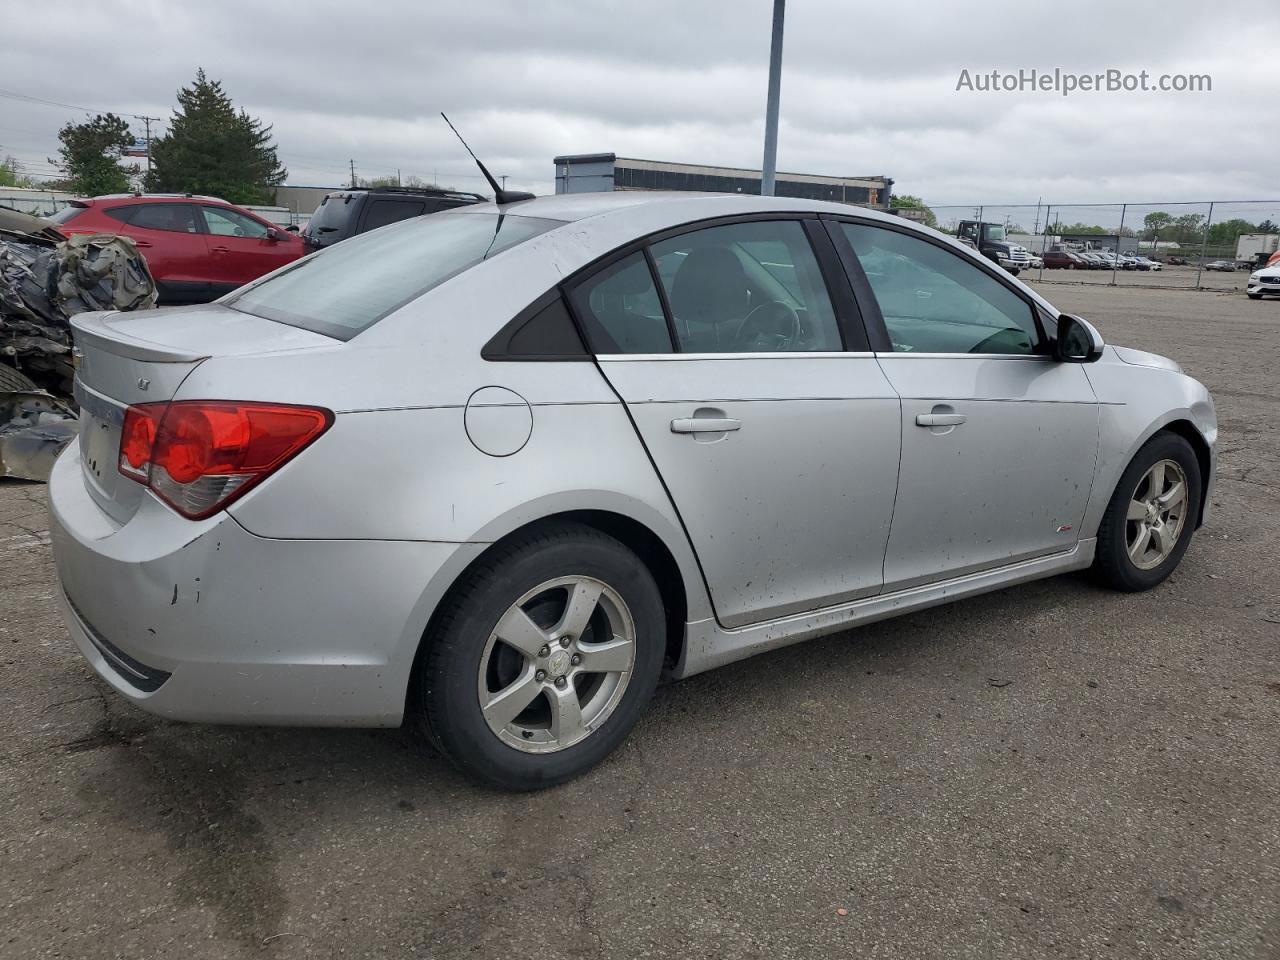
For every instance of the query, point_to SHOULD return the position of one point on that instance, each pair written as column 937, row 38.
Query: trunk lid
column 143, row 357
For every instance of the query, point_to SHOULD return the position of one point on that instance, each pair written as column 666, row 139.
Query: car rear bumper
column 204, row 621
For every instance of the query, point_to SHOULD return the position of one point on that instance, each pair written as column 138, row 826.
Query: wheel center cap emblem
column 1152, row 512
column 558, row 663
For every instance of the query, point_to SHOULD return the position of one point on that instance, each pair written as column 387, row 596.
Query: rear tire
column 14, row 379
column 1149, row 521
column 498, row 691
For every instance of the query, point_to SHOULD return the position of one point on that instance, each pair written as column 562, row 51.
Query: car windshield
column 350, row 286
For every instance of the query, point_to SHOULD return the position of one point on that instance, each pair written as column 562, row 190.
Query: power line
column 11, row 95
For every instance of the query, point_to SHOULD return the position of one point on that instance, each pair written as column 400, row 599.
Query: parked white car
column 1264, row 282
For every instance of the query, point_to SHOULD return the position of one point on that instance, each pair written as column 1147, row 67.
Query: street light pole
column 768, row 174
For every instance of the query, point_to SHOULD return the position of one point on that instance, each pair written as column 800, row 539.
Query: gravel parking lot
column 1049, row 771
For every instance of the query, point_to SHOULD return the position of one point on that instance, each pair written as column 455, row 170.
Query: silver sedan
column 496, row 471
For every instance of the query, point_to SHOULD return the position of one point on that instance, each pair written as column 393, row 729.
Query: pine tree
column 211, row 149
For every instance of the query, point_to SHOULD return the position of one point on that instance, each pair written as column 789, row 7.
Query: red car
column 1064, row 259
column 198, row 248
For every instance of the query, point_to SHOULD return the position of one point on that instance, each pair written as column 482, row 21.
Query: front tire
column 540, row 663
column 1149, row 521
column 1255, row 296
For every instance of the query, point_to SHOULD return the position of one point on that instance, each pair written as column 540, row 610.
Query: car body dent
column 1141, row 358
column 189, row 580
column 1137, row 401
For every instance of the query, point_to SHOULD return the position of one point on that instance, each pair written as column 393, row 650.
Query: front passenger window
column 228, row 223
column 934, row 301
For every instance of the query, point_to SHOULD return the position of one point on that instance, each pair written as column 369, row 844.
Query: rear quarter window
column 123, row 214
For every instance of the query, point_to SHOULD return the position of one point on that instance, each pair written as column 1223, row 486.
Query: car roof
column 679, row 206
column 151, row 198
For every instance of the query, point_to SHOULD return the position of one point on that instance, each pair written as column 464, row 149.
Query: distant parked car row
column 1096, row 260
column 199, row 248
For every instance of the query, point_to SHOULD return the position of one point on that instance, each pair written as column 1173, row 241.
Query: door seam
column 635, row 428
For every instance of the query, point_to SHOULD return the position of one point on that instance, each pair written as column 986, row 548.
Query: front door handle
column 705, row 425
column 939, row 419
column 220, row 249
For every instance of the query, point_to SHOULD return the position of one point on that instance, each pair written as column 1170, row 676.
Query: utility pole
column 769, row 172
column 353, row 174
column 147, row 121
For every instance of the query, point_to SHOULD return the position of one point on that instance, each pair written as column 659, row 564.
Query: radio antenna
column 500, row 196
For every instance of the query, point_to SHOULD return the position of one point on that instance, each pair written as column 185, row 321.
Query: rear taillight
column 200, row 455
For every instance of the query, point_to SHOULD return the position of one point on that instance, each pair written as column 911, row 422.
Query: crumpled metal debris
column 34, row 427
column 45, row 279
column 44, row 283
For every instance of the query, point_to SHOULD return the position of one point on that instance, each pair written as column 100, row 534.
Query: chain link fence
column 1211, row 245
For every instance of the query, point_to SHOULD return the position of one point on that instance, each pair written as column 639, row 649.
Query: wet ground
column 1049, row 771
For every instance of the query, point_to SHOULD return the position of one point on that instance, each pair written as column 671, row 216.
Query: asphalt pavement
column 1050, row 771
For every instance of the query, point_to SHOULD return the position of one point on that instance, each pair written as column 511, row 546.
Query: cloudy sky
column 868, row 88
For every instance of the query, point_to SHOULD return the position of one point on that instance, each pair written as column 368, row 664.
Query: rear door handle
column 939, row 419
column 220, row 249
column 140, row 243
column 705, row 425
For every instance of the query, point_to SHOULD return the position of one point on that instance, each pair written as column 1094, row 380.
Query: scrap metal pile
column 45, row 279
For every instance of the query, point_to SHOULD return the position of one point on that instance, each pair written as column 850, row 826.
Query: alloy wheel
column 1156, row 515
column 557, row 664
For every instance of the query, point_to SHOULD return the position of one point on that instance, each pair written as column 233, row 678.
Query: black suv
column 348, row 212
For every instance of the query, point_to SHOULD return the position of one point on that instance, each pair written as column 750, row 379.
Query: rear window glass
column 331, row 218
column 350, row 286
column 67, row 213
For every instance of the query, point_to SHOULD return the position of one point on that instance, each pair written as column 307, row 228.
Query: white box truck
column 1254, row 249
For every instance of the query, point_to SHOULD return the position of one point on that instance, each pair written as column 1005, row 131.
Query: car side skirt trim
column 708, row 646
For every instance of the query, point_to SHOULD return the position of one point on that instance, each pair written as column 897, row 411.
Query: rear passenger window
column 123, row 214
column 175, row 217
column 620, row 309
column 382, row 212
column 747, row 288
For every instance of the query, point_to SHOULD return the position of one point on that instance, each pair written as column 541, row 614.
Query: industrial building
column 597, row 172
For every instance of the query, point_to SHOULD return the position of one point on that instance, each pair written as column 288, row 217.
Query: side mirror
column 293, row 228
column 1078, row 341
